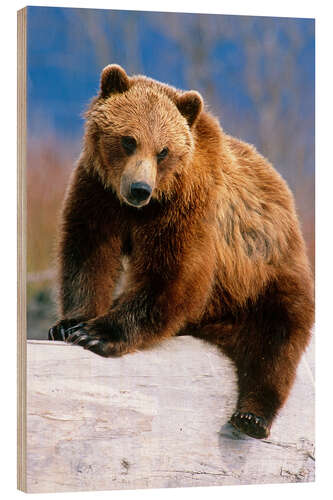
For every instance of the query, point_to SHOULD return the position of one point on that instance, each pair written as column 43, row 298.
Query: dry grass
column 49, row 167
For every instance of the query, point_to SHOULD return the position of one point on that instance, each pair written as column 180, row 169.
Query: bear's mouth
column 134, row 203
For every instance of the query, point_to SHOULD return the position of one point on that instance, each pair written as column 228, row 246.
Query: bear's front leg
column 264, row 384
column 265, row 341
column 266, row 349
column 133, row 321
column 155, row 309
column 89, row 253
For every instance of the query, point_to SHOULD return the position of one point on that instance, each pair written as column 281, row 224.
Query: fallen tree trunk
column 154, row 419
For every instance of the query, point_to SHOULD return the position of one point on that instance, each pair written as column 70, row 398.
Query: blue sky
column 67, row 48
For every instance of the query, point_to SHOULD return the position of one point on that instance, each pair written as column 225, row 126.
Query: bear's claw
column 250, row 424
column 74, row 328
column 79, row 335
column 60, row 330
column 57, row 333
column 95, row 335
column 98, row 346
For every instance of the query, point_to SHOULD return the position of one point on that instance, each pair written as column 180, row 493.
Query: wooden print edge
column 21, row 249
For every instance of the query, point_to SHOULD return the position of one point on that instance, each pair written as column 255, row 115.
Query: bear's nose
column 140, row 191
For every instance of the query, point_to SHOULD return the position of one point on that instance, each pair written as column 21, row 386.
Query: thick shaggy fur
column 216, row 253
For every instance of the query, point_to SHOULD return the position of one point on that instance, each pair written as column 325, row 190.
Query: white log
column 154, row 419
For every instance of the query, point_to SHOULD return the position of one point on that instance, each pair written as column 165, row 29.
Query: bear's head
column 139, row 135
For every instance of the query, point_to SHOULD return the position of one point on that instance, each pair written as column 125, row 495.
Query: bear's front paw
column 100, row 336
column 250, row 424
column 59, row 330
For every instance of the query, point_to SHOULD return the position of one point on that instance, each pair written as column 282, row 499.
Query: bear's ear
column 113, row 80
column 190, row 105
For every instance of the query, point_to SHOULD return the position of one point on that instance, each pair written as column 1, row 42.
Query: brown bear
column 209, row 234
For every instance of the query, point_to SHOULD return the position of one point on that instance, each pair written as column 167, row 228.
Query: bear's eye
column 129, row 144
column 162, row 154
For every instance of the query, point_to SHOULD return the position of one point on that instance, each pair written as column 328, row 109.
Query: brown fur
column 215, row 252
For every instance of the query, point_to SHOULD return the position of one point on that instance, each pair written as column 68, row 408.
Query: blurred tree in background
column 256, row 74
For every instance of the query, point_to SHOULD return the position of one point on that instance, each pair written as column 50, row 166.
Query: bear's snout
column 140, row 191
column 136, row 193
column 137, row 182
